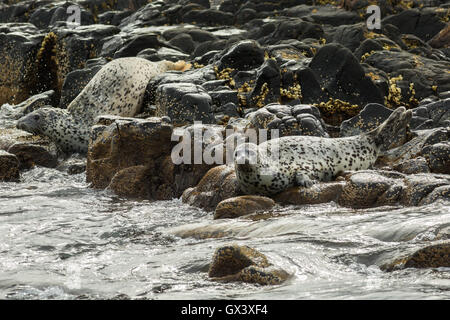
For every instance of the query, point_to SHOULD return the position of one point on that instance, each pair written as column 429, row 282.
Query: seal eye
column 36, row 117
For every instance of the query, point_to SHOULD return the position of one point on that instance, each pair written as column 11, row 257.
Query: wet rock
column 245, row 55
column 9, row 167
column 113, row 17
column 267, row 85
column 45, row 16
column 422, row 23
column 433, row 256
column 31, row 155
column 343, row 77
column 244, row 264
column 218, row 184
column 163, row 54
column 439, row 193
column 137, row 44
column 125, row 143
column 442, row 39
column 184, row 103
column 184, row 42
column 70, row 48
column 241, row 206
column 419, row 186
column 133, row 182
column 412, row 166
column 368, row 119
column 72, row 165
column 75, row 82
column 208, row 17
column 367, row 188
column 318, row 193
column 413, row 148
column 438, row 157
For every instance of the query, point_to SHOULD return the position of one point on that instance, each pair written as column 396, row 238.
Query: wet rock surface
column 244, row 264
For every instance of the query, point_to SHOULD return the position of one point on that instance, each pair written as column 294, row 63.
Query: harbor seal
column 116, row 89
column 275, row 165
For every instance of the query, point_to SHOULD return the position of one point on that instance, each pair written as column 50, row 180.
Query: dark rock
column 19, row 70
column 267, row 85
column 414, row 75
column 367, row 189
column 184, row 103
column 163, row 54
column 209, row 17
column 242, row 205
column 9, row 167
column 424, row 24
column 31, row 155
column 432, row 256
column 350, row 36
column 343, row 77
column 305, row 120
column 75, row 82
column 419, row 186
column 222, row 97
column 113, row 17
column 296, row 29
column 438, row 157
column 36, row 102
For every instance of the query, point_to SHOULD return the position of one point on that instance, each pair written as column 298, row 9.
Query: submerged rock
column 244, row 264
column 433, row 256
column 241, row 206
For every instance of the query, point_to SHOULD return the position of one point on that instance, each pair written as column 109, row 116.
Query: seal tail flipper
column 393, row 131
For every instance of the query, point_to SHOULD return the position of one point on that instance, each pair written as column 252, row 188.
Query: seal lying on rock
column 117, row 89
column 275, row 165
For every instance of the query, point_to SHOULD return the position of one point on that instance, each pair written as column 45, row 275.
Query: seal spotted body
column 117, row 89
column 275, row 165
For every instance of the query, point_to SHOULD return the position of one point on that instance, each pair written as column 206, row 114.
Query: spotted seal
column 275, row 165
column 116, row 89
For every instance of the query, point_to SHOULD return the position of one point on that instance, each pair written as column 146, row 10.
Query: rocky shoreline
column 302, row 68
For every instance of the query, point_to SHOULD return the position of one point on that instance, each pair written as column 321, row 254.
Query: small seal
column 277, row 164
column 117, row 89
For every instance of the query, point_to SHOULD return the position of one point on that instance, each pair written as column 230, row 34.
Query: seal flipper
column 302, row 180
column 393, row 131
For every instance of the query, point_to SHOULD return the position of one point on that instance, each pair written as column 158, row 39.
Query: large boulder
column 343, row 77
column 134, row 158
